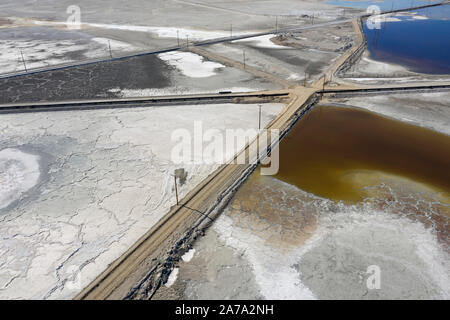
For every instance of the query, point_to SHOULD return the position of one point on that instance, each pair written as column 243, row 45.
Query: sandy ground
column 83, row 186
column 275, row 241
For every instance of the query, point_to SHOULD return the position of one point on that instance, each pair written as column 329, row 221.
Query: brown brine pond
column 335, row 152
column 355, row 189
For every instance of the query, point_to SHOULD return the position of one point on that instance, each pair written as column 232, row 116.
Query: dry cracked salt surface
column 19, row 173
column 82, row 186
column 276, row 241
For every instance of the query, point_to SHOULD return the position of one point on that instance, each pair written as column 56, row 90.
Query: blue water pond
column 420, row 42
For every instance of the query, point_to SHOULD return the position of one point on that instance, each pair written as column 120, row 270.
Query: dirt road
column 145, row 265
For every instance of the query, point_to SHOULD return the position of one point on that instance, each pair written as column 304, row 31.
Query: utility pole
column 276, row 24
column 304, row 79
column 187, row 41
column 244, row 58
column 323, row 85
column 23, row 60
column 231, row 31
column 178, row 37
column 109, row 48
column 259, row 127
column 176, row 188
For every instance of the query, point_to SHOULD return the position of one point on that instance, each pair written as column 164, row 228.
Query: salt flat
column 103, row 179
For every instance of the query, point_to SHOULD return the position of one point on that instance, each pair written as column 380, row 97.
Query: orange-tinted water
column 331, row 146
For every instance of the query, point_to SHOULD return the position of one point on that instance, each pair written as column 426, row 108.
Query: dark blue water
column 384, row 4
column 420, row 45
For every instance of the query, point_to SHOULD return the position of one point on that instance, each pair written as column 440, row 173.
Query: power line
column 23, row 60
